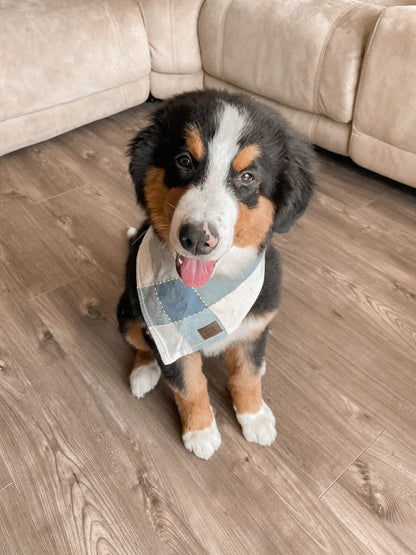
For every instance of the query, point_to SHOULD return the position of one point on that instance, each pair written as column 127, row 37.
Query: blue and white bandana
column 184, row 319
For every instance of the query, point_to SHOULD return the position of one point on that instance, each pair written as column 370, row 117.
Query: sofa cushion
column 54, row 52
column 171, row 28
column 306, row 55
column 164, row 85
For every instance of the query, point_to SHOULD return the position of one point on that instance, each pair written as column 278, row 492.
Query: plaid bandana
column 184, row 319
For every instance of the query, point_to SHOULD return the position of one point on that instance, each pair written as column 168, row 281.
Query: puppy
column 216, row 174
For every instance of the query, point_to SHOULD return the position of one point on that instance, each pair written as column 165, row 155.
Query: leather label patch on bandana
column 184, row 319
column 210, row 331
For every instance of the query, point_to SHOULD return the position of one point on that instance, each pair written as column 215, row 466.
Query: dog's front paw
column 144, row 378
column 203, row 443
column 258, row 427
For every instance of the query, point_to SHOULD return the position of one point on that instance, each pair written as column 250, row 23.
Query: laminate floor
column 87, row 468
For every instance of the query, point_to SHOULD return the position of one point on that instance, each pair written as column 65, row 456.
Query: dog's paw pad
column 203, row 443
column 259, row 427
column 144, row 378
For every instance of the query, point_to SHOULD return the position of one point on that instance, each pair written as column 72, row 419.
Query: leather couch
column 342, row 71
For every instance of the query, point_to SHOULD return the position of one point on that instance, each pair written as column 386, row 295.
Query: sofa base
column 41, row 125
column 164, row 85
column 383, row 158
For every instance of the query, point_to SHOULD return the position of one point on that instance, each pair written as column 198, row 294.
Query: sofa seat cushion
column 306, row 55
column 55, row 52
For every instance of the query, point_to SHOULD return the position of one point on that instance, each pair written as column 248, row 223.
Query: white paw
column 203, row 443
column 258, row 427
column 263, row 367
column 144, row 378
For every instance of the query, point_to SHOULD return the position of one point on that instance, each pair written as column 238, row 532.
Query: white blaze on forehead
column 211, row 200
column 224, row 146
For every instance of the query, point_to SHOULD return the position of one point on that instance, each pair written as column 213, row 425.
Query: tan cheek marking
column 160, row 201
column 194, row 142
column 245, row 157
column 253, row 223
column 193, row 402
column 245, row 381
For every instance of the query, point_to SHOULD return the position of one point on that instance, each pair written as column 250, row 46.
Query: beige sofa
column 342, row 71
column 64, row 64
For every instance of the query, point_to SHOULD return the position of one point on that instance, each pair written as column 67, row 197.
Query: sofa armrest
column 384, row 124
column 172, row 27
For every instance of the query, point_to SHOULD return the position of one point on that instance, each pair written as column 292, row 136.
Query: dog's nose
column 198, row 238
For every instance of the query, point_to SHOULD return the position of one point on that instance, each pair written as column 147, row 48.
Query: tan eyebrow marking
column 194, row 142
column 245, row 157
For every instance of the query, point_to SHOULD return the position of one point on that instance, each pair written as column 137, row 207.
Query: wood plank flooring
column 87, row 468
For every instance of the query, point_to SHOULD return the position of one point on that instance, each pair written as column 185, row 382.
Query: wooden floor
column 87, row 468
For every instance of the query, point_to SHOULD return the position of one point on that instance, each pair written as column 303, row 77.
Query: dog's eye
column 183, row 161
column 247, row 178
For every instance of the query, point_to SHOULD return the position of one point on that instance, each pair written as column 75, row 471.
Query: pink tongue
column 195, row 273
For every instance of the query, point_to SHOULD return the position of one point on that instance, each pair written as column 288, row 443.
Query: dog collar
column 184, row 319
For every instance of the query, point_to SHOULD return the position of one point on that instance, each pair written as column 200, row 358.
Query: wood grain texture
column 45, row 412
column 87, row 468
column 18, row 533
column 36, row 173
column 35, row 253
column 93, row 336
column 5, row 477
column 346, row 187
column 378, row 493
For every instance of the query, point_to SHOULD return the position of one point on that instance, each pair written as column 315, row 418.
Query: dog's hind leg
column 246, row 365
column 146, row 371
column 199, row 429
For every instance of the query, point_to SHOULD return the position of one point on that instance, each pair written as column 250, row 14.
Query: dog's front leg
column 146, row 372
column 246, row 365
column 199, row 429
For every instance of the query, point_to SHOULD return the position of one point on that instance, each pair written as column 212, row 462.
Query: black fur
column 257, row 350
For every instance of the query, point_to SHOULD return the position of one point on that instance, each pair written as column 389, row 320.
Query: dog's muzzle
column 198, row 239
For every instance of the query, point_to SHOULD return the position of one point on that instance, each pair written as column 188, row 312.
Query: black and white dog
column 217, row 174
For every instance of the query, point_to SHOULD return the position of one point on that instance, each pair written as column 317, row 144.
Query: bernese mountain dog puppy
column 217, row 174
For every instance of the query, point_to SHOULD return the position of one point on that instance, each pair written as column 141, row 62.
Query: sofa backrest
column 306, row 54
column 172, row 32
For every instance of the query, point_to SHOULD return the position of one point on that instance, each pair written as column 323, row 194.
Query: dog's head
column 215, row 171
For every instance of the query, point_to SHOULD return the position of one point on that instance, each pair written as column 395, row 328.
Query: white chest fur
column 247, row 329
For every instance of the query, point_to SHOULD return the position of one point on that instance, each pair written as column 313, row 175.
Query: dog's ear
column 141, row 152
column 295, row 183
